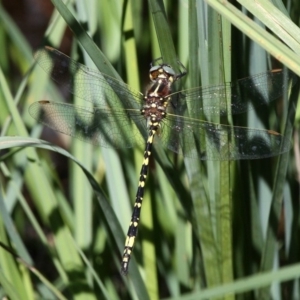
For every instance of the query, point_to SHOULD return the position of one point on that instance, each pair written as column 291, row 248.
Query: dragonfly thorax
column 157, row 98
column 155, row 112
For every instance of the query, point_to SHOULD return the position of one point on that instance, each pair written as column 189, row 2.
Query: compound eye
column 168, row 70
column 154, row 72
column 155, row 68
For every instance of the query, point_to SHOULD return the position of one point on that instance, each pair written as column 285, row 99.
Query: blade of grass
column 243, row 285
column 277, row 21
column 10, row 274
column 10, row 288
column 85, row 40
column 80, row 189
column 163, row 33
column 271, row 44
column 224, row 208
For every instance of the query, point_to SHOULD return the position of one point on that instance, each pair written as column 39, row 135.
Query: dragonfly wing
column 94, row 125
column 88, row 84
column 212, row 141
column 234, row 98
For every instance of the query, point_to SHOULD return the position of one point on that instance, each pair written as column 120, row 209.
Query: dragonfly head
column 163, row 71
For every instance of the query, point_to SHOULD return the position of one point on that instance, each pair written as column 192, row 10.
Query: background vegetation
column 226, row 230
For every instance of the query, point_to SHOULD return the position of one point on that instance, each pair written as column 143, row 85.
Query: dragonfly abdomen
column 135, row 218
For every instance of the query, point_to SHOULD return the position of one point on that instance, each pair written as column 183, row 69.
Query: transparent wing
column 109, row 125
column 98, row 126
column 90, row 85
column 244, row 94
column 212, row 141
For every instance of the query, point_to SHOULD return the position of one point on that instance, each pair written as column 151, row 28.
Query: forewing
column 245, row 94
column 88, row 84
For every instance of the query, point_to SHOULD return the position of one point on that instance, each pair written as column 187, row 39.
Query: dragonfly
column 117, row 116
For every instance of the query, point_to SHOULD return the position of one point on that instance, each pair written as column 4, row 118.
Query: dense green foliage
column 209, row 229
